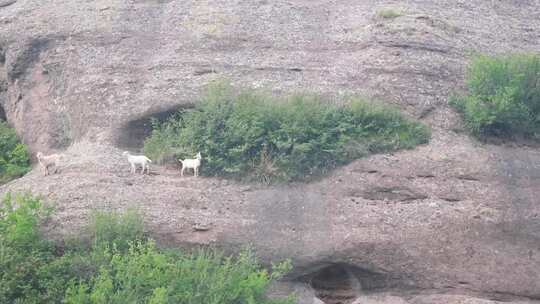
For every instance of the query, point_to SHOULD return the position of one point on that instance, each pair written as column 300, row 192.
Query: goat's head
column 125, row 153
column 39, row 155
column 199, row 157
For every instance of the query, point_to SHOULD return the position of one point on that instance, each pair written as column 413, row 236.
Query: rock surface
column 454, row 221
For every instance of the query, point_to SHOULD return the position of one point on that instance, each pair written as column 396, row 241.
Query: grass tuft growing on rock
column 503, row 97
column 389, row 13
column 253, row 136
column 14, row 157
column 118, row 266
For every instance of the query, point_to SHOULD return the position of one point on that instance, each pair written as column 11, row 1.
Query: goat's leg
column 148, row 169
column 132, row 168
column 182, row 171
column 143, row 167
column 196, row 171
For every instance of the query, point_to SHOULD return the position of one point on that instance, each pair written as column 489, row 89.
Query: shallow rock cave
column 335, row 284
column 341, row 283
column 133, row 133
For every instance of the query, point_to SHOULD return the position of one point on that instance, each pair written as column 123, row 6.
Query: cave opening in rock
column 342, row 283
column 133, row 133
column 335, row 284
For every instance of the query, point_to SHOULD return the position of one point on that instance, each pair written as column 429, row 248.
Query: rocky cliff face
column 455, row 221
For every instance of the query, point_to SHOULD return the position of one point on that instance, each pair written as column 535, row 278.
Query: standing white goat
column 135, row 160
column 47, row 161
column 190, row 163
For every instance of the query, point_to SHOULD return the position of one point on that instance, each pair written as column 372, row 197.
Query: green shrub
column 503, row 96
column 162, row 145
column 251, row 135
column 14, row 158
column 145, row 275
column 118, row 266
column 108, row 228
column 23, row 253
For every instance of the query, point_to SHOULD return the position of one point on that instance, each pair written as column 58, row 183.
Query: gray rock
column 93, row 73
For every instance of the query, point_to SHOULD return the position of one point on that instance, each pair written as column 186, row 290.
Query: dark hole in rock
column 342, row 283
column 336, row 284
column 133, row 133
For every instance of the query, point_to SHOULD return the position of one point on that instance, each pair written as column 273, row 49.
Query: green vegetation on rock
column 118, row 266
column 14, row 158
column 254, row 136
column 389, row 13
column 503, row 96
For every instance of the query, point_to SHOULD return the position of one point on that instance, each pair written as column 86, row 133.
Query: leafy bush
column 14, row 158
column 503, row 96
column 119, row 266
column 253, row 135
column 146, row 275
column 108, row 228
column 23, row 253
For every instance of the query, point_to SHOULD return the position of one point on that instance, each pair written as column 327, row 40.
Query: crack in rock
column 5, row 3
column 393, row 194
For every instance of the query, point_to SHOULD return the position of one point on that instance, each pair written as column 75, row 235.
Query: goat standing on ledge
column 47, row 161
column 135, row 160
column 189, row 163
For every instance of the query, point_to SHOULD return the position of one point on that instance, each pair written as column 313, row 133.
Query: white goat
column 135, row 160
column 189, row 163
column 47, row 161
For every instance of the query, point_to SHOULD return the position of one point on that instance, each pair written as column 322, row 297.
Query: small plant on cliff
column 119, row 265
column 503, row 96
column 389, row 13
column 255, row 136
column 14, row 158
